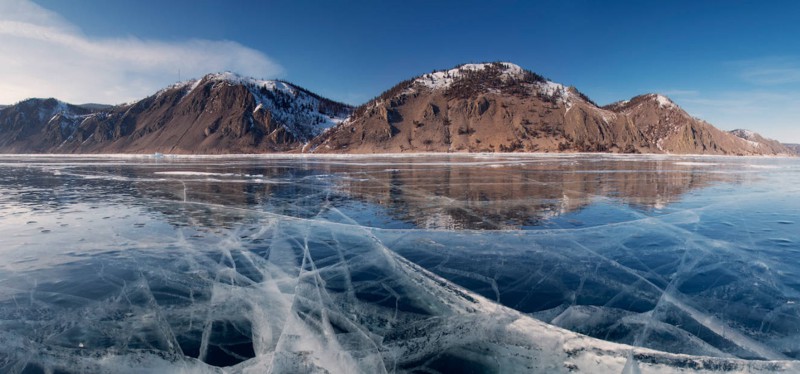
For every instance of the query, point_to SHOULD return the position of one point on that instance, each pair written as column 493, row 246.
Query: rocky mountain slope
column 500, row 107
column 793, row 147
column 489, row 107
column 761, row 142
column 220, row 113
column 38, row 125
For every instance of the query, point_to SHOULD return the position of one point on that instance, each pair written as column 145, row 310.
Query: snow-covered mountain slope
column 495, row 77
column 301, row 112
column 446, row 78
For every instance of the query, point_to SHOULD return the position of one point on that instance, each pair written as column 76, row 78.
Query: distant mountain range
column 794, row 147
column 489, row 107
column 220, row 113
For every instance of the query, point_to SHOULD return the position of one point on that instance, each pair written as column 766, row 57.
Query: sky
column 733, row 63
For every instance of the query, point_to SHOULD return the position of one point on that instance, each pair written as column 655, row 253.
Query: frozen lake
column 427, row 264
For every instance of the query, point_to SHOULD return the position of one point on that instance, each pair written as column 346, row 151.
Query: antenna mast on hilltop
column 179, row 74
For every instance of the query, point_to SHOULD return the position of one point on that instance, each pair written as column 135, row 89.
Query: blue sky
column 733, row 63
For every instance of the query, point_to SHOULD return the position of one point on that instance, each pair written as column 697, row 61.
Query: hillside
column 489, row 107
column 38, row 125
column 500, row 107
column 793, row 147
column 220, row 113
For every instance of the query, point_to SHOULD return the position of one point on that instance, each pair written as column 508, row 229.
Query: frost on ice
column 399, row 265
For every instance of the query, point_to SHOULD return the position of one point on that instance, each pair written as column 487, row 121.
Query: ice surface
column 480, row 263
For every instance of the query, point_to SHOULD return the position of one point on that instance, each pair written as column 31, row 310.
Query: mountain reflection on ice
column 422, row 264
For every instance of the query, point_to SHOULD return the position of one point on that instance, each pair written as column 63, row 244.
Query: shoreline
column 158, row 155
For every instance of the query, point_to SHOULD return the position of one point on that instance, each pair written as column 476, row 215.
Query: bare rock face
column 500, row 107
column 221, row 113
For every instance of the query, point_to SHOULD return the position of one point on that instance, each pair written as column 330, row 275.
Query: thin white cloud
column 770, row 71
column 773, row 76
column 672, row 93
column 43, row 55
column 763, row 98
column 771, row 113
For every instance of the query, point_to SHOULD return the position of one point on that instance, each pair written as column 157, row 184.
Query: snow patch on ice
column 200, row 173
column 695, row 163
column 753, row 166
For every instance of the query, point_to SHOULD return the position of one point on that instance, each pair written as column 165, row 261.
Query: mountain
column 488, row 107
column 500, row 107
column 761, row 142
column 220, row 113
column 95, row 107
column 793, row 147
column 669, row 129
column 38, row 125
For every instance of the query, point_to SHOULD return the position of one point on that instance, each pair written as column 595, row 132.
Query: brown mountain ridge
column 500, row 107
column 487, row 107
column 220, row 113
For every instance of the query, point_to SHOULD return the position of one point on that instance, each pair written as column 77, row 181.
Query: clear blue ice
column 427, row 264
